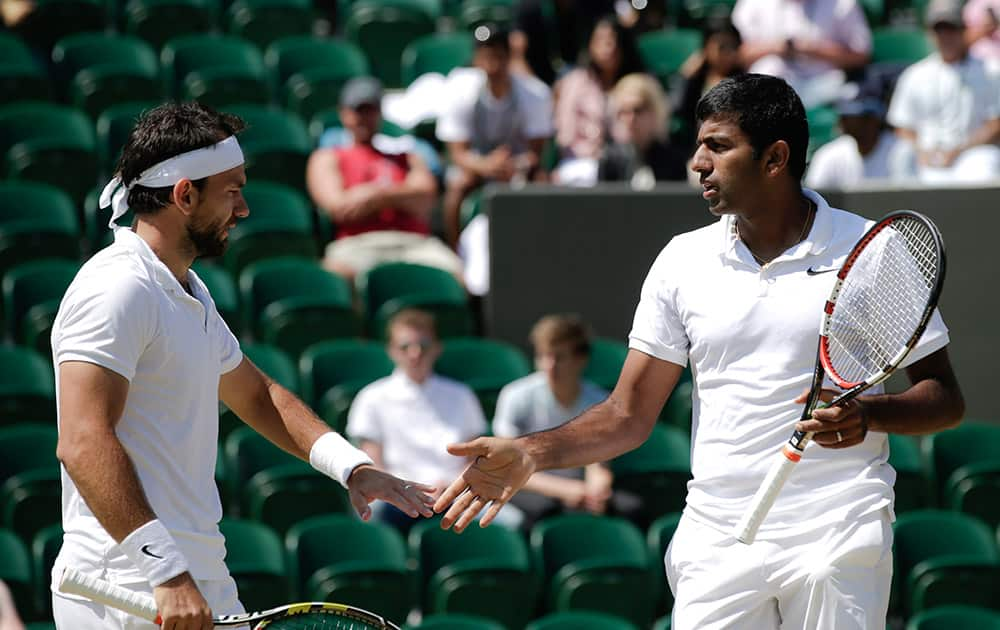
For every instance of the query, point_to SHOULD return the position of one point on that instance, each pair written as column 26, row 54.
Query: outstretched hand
column 500, row 468
column 368, row 483
column 835, row 427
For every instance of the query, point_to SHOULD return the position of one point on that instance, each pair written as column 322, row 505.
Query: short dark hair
column 553, row 330
column 767, row 109
column 163, row 132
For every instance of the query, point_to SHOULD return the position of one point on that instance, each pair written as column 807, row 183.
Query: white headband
column 193, row 165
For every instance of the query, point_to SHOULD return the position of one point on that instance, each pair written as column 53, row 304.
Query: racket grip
column 101, row 591
column 760, row 505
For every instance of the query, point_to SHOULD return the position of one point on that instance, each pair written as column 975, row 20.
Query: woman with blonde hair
column 640, row 153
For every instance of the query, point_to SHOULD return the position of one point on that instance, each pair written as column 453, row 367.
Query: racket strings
column 320, row 620
column 882, row 300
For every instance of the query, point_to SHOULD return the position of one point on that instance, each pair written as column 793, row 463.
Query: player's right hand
column 181, row 605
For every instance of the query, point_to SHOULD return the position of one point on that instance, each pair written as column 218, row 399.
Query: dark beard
column 207, row 242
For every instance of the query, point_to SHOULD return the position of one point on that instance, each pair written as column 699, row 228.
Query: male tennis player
column 741, row 300
column 142, row 359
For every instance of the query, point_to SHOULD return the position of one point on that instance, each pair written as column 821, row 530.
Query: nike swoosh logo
column 816, row 272
column 145, row 549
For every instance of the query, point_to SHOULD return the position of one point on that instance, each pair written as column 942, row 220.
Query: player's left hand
column 841, row 426
column 368, row 483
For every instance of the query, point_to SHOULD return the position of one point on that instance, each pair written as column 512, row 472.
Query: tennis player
column 142, row 359
column 741, row 300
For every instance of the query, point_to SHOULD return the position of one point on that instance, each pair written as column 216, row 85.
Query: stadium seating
column 330, row 363
column 676, row 411
column 974, row 489
column 308, row 72
column 663, row 52
column 44, row 548
column 475, row 13
column 657, row 471
column 51, row 20
column 440, row 52
column 15, row 571
column 280, row 224
column 340, row 558
column 222, row 288
column 219, row 70
column 335, row 405
column 157, row 21
column 114, row 125
column 275, row 143
column 293, row 303
column 392, row 280
column 272, row 361
column 943, row 552
column 663, row 623
column 31, row 295
column 96, row 70
column 595, row 563
column 22, row 78
column 949, row 454
column 484, row 571
column 36, row 221
column 246, row 453
column 911, row 485
column 955, row 618
column 899, row 44
column 823, row 127
column 264, row 21
column 452, row 316
column 49, row 143
column 29, row 479
column 658, row 539
column 485, row 365
column 27, row 390
column 455, row 622
column 607, row 356
column 580, row 620
column 256, row 560
column 384, row 28
column 282, row 496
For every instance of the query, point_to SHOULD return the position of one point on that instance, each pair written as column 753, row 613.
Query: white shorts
column 364, row 251
column 79, row 614
column 834, row 579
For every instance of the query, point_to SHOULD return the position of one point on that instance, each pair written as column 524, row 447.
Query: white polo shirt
column 839, row 164
column 413, row 422
column 126, row 312
column 751, row 335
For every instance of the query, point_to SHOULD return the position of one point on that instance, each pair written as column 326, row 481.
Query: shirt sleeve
column 454, row 123
column 902, row 110
column 538, row 110
column 934, row 338
column 228, row 347
column 657, row 329
column 108, row 323
column 475, row 420
column 362, row 419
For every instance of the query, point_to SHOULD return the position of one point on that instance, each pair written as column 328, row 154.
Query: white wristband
column 153, row 550
column 335, row 457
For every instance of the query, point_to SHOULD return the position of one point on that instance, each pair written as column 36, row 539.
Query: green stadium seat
column 393, row 280
column 658, row 539
column 943, row 551
column 677, row 410
column 15, row 571
column 455, row 622
column 330, row 363
column 280, row 225
column 693, row 13
column 222, row 287
column 294, row 303
column 113, row 127
column 475, row 13
column 335, row 405
column 485, row 365
column 955, row 618
column 219, row 70
column 308, row 72
column 264, row 21
column 911, row 486
column 823, row 127
column 256, row 560
column 27, row 390
column 49, row 143
column 973, row 489
column 663, row 623
column 272, row 361
column 276, row 145
column 31, row 501
column 22, row 78
column 607, row 356
column 594, row 563
column 36, row 221
column 657, row 471
column 663, row 52
column 580, row 620
column 98, row 70
column 245, row 453
column 282, row 496
column 44, row 548
column 384, row 28
column 51, row 20
column 949, row 451
column 440, row 52
column 899, row 44
column 37, row 286
column 452, row 317
column 27, row 447
column 874, row 12
column 158, row 21
column 484, row 571
column 341, row 558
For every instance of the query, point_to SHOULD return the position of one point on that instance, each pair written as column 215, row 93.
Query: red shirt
column 363, row 164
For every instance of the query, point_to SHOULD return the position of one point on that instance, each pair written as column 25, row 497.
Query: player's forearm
column 106, row 479
column 287, row 421
column 928, row 406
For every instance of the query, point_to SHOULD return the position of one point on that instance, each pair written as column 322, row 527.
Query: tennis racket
column 881, row 302
column 303, row 616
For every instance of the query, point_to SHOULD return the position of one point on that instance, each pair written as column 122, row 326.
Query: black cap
column 861, row 106
column 361, row 91
column 491, row 35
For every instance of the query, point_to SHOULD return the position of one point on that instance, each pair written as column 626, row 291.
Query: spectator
column 947, row 106
column 581, row 98
column 809, row 43
column 865, row 151
column 639, row 153
column 495, row 125
column 9, row 619
column 982, row 34
column 380, row 201
column 404, row 421
column 718, row 58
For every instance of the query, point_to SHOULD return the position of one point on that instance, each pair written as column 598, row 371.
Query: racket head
column 882, row 300
column 323, row 616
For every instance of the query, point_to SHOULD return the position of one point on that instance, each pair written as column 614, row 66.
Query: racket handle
column 103, row 592
column 760, row 505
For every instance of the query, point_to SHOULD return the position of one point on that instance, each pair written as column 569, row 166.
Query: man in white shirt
column 142, row 359
column 739, row 299
column 947, row 106
column 866, row 151
column 404, row 421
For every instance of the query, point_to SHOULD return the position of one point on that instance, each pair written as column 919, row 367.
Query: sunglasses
column 424, row 344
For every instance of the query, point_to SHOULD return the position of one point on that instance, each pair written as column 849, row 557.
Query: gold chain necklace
column 805, row 226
